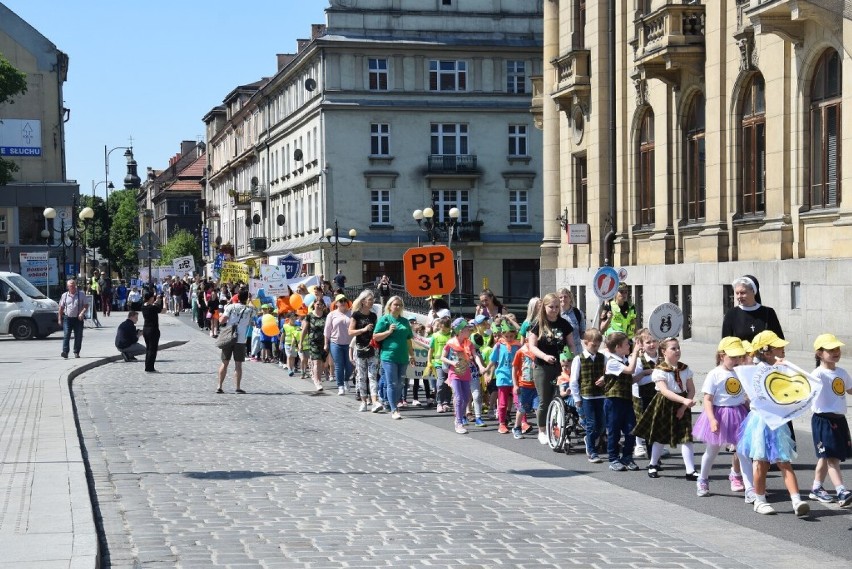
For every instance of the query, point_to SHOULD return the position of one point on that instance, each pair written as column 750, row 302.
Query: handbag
column 228, row 336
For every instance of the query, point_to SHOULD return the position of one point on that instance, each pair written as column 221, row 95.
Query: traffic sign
column 666, row 320
column 146, row 254
column 429, row 270
column 149, row 240
column 605, row 283
column 291, row 264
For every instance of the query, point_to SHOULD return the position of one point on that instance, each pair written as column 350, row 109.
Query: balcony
column 574, row 82
column 258, row 244
column 452, row 163
column 258, row 193
column 787, row 18
column 240, row 200
column 212, row 212
column 669, row 43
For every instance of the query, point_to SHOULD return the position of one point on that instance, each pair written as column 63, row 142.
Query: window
column 825, row 132
column 378, row 71
column 380, row 207
column 752, row 199
column 445, row 200
column 578, row 32
column 518, row 207
column 184, row 208
column 695, row 189
column 447, row 75
column 447, row 2
column 517, row 140
column 2, row 224
column 449, row 139
column 516, row 77
column 645, row 177
column 520, row 280
column 379, row 139
column 581, row 190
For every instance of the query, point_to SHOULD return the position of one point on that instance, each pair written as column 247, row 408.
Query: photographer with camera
column 127, row 338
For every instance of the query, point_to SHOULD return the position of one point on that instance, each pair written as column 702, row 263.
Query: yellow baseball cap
column 827, row 342
column 766, row 339
column 732, row 346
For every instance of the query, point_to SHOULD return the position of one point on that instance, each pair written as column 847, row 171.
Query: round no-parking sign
column 606, row 283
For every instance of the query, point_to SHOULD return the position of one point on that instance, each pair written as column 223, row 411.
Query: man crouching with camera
column 127, row 338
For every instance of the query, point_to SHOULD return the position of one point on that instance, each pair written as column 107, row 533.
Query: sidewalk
column 46, row 517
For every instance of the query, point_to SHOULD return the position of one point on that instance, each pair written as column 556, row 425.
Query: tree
column 124, row 231
column 12, row 82
column 180, row 244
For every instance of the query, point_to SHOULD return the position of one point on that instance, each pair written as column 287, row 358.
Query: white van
column 24, row 311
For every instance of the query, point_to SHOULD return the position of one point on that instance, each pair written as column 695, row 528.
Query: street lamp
column 329, row 232
column 71, row 232
column 133, row 180
column 47, row 234
column 425, row 219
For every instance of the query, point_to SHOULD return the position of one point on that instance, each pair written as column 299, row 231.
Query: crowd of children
column 635, row 394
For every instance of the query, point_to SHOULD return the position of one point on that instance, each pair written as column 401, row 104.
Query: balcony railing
column 452, row 163
column 670, row 41
column 241, row 200
column 574, row 83
column 464, row 231
column 212, row 212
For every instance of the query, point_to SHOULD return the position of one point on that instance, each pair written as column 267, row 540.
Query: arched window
column 752, row 198
column 825, row 132
column 645, row 174
column 695, row 183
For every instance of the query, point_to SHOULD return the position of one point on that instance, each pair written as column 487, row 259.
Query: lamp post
column 425, row 219
column 329, row 232
column 95, row 185
column 71, row 232
column 86, row 214
column 128, row 154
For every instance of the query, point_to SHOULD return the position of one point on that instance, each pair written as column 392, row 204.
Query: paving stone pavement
column 281, row 477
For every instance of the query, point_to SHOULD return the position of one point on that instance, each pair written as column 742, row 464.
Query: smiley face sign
column 733, row 387
column 786, row 389
column 838, row 387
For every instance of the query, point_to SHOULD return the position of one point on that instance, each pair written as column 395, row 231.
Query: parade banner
column 421, row 350
column 778, row 393
column 233, row 272
column 35, row 268
column 183, row 266
column 277, row 287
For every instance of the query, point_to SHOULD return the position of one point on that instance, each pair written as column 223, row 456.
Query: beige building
column 393, row 106
column 32, row 135
column 701, row 141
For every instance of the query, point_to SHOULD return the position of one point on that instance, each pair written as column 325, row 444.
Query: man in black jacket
column 127, row 338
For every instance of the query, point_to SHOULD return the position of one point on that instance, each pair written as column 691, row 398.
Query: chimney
column 284, row 59
column 301, row 44
column 317, row 30
column 187, row 146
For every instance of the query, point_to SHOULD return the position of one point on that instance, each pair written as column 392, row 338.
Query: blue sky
column 151, row 69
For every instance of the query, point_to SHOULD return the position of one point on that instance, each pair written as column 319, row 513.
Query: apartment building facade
column 392, row 106
column 701, row 141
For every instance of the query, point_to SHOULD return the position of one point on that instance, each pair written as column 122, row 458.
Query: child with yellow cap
column 830, row 429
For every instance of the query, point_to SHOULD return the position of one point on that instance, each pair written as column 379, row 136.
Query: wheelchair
column 563, row 425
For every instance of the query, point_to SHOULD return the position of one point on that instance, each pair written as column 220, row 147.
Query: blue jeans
column 342, row 365
column 593, row 416
column 620, row 420
column 394, row 375
column 72, row 325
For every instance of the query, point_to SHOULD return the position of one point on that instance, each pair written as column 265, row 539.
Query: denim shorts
column 527, row 399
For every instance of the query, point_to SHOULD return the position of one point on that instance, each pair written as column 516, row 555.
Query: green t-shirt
column 436, row 343
column 394, row 347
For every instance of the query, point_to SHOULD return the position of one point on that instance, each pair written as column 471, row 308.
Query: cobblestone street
column 280, row 477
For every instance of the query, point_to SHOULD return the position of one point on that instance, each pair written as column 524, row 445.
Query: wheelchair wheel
column 572, row 431
column 556, row 433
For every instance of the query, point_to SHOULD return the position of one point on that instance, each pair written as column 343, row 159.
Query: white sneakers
column 763, row 507
column 800, row 506
column 542, row 438
column 362, row 407
column 341, row 390
column 640, row 452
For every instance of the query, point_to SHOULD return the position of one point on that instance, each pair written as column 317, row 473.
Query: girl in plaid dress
column 668, row 420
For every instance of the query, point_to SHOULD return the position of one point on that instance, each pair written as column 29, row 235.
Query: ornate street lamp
column 425, row 219
column 329, row 233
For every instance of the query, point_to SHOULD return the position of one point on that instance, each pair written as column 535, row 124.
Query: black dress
column 746, row 324
column 151, row 332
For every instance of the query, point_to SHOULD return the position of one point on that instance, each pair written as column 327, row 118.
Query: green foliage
column 123, row 231
column 12, row 82
column 180, row 244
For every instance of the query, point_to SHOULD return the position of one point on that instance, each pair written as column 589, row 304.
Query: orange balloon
column 283, row 305
column 296, row 301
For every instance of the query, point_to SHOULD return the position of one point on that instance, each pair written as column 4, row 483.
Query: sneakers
column 763, row 507
column 750, row 496
column 736, row 482
column 376, row 408
column 800, row 507
column 542, row 438
column 362, row 407
column 503, row 429
column 341, row 390
column 441, row 409
column 631, row 466
column 595, row 459
column 64, row 355
column 516, row 432
column 640, row 452
column 479, row 422
column 396, row 416
column 318, row 386
column 653, row 471
column 821, row 495
column 692, row 475
column 844, row 498
column 526, row 428
column 465, row 422
column 702, row 488
column 615, row 466
column 415, row 403
column 460, row 429
column 290, row 373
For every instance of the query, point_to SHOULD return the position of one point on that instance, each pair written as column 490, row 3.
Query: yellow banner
column 232, row 272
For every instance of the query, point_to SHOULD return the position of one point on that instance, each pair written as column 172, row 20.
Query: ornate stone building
column 701, row 141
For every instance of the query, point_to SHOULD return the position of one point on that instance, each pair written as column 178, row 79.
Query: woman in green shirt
column 393, row 332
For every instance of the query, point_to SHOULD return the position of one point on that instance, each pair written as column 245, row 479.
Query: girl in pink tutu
column 725, row 408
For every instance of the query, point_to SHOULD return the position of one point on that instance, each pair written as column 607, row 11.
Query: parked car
column 25, row 312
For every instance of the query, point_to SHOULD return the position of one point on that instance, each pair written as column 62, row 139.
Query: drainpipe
column 609, row 238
